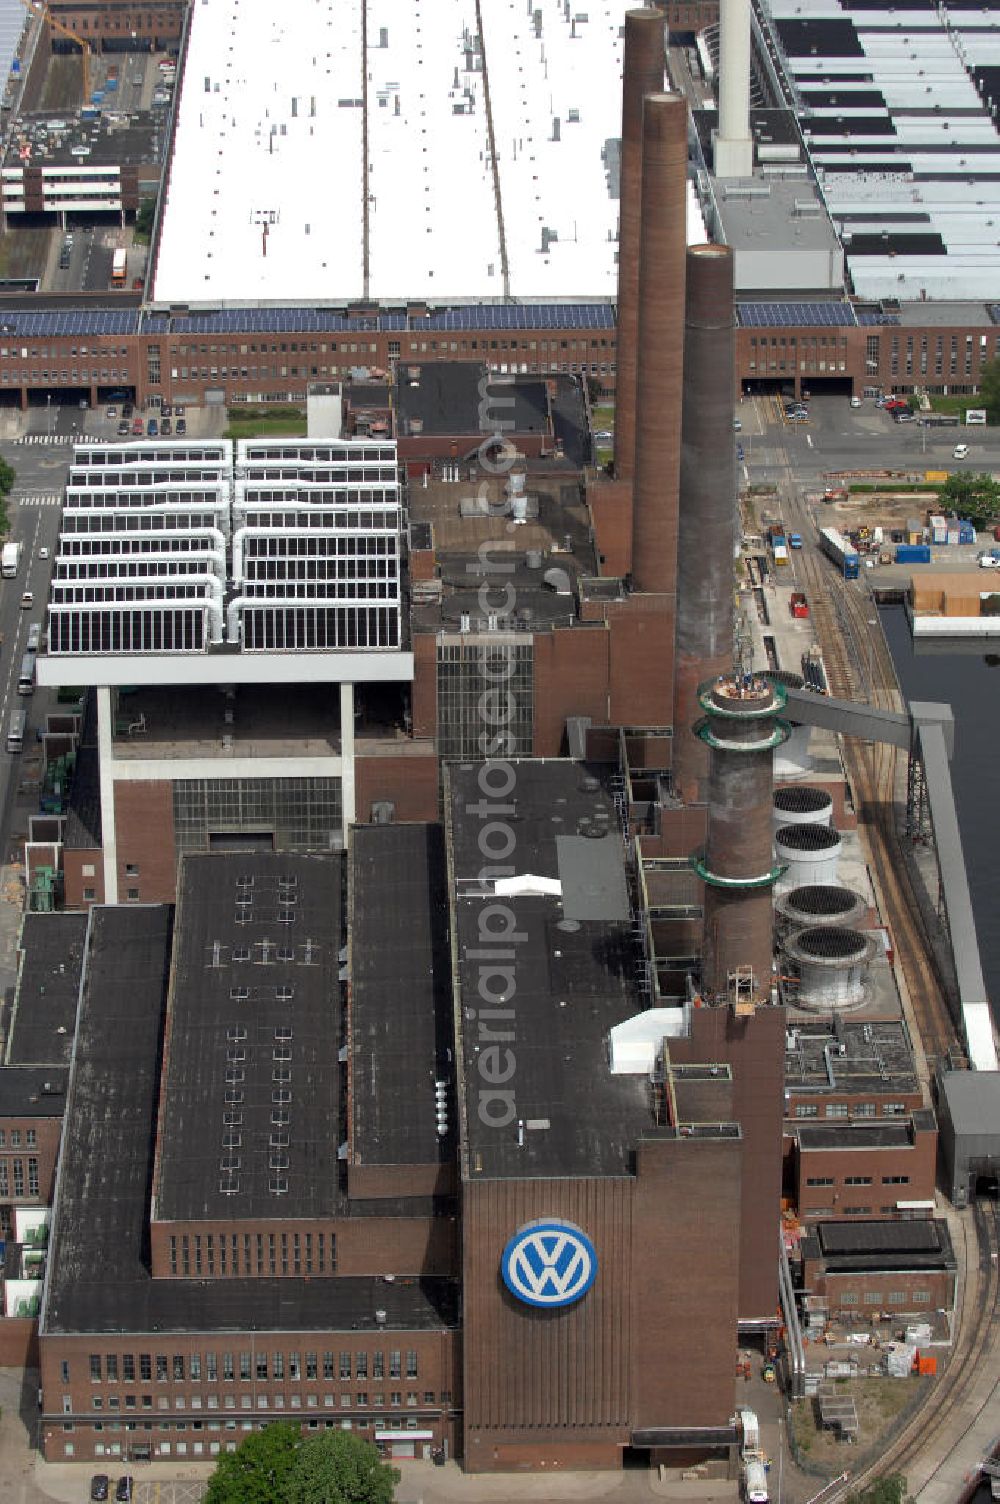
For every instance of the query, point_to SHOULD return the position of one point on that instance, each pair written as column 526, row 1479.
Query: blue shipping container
column 966, row 532
column 913, row 553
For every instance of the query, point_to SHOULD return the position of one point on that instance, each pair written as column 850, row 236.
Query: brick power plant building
column 435, row 1097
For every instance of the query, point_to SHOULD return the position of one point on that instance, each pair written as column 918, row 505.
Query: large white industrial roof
column 917, row 165
column 266, row 196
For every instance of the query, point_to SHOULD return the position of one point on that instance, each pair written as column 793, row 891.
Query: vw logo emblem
column 549, row 1264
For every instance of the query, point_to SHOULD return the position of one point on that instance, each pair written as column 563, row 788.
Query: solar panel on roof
column 50, row 324
column 788, row 315
column 500, row 316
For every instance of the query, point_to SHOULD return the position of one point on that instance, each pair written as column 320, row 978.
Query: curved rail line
column 859, row 665
column 952, row 1393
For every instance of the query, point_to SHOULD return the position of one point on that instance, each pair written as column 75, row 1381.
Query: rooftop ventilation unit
column 810, row 854
column 832, row 963
column 802, row 805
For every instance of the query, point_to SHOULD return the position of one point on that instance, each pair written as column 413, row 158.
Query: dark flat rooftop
column 859, row 1246
column 251, row 1094
column 877, row 1059
column 401, row 1023
column 33, row 1091
column 43, row 1021
column 98, row 1272
column 573, row 981
column 444, row 398
column 854, row 1135
column 90, row 143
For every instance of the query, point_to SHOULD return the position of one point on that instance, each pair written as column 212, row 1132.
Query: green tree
column 989, row 389
column 976, row 497
column 888, row 1490
column 144, row 216
column 338, row 1467
column 258, row 1472
column 7, row 478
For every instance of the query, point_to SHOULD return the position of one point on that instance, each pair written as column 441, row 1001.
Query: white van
column 960, row 452
column 754, row 1481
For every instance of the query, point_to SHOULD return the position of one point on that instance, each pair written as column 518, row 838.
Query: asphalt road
column 839, row 437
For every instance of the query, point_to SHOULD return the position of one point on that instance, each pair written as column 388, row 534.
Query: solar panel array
column 792, row 315
column 498, row 316
column 312, row 562
column 69, row 322
column 869, row 316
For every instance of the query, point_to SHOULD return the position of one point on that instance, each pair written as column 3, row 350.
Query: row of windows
column 13, row 1135
column 12, row 1180
column 857, row 1180
column 817, row 1213
column 198, row 1448
column 258, row 1365
column 108, row 631
column 893, row 1298
column 297, row 1254
column 857, row 1109
column 95, row 455
column 357, row 1399
column 90, row 475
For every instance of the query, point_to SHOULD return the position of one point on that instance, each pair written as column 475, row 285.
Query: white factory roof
column 265, row 199
column 912, row 164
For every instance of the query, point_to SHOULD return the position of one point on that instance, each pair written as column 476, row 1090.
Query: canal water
column 967, row 677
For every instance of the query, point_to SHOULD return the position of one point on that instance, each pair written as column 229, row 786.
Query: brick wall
column 409, row 782
column 192, row 1405
column 144, row 824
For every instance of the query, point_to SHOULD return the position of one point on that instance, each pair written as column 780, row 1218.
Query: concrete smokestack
column 707, row 521
column 645, row 62
column 733, row 142
column 741, row 730
column 662, row 245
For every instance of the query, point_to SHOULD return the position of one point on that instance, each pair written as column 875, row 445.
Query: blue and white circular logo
column 549, row 1264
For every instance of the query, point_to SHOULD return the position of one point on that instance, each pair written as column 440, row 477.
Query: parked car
column 181, row 426
column 960, row 452
column 123, row 1489
column 737, row 426
column 165, row 427
column 127, row 409
column 100, row 1484
column 112, row 412
column 165, row 410
column 178, row 409
column 855, row 401
column 152, row 428
column 987, row 561
column 123, row 429
column 137, row 427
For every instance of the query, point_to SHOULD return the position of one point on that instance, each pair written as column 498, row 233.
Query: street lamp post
column 48, row 414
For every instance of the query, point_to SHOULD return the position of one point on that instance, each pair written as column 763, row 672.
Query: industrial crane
column 40, row 8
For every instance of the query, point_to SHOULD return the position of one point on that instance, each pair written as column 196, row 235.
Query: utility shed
column 969, row 1126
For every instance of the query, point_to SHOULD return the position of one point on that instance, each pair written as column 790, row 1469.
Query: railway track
column 957, row 1407
column 859, row 667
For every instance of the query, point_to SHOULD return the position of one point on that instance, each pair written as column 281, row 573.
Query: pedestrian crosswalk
column 37, row 498
column 48, row 438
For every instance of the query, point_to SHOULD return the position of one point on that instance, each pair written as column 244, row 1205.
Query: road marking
column 37, row 498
